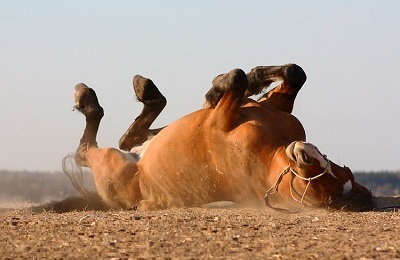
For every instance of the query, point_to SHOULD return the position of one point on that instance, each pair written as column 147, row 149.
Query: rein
column 274, row 189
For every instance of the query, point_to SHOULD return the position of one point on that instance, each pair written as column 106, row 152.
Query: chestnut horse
column 252, row 153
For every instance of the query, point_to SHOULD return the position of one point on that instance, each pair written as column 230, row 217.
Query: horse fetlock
column 93, row 112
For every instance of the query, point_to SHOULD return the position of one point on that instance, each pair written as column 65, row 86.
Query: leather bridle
column 274, row 189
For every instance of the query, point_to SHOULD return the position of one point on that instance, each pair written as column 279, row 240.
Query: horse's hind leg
column 116, row 177
column 87, row 103
column 116, row 174
column 154, row 102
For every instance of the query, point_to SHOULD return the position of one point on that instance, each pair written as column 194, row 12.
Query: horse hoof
column 86, row 101
column 147, row 92
column 235, row 79
column 80, row 93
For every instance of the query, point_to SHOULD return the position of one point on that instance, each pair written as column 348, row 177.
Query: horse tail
column 75, row 173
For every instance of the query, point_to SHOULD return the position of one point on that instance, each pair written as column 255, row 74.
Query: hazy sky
column 350, row 51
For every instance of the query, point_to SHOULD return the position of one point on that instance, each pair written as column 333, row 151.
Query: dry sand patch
column 197, row 233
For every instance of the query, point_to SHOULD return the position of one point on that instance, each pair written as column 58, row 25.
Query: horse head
column 317, row 181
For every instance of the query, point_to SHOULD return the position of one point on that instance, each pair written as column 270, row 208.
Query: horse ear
column 289, row 152
column 349, row 172
column 291, row 157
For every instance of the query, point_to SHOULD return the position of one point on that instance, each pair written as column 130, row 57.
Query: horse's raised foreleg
column 283, row 96
column 260, row 77
column 154, row 102
column 226, row 95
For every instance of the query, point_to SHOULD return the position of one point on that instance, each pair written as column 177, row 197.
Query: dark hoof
column 147, row 92
column 86, row 101
column 235, row 79
column 294, row 75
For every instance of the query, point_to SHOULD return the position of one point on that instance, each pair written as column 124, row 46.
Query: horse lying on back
column 252, row 153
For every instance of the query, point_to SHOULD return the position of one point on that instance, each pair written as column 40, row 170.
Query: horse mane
column 74, row 172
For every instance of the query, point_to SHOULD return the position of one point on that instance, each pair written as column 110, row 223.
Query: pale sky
column 350, row 51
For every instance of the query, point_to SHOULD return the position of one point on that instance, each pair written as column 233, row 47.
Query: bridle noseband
column 274, row 189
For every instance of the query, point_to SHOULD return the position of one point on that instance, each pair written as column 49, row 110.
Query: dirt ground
column 198, row 233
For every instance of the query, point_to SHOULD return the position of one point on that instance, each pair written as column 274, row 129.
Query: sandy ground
column 198, row 233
